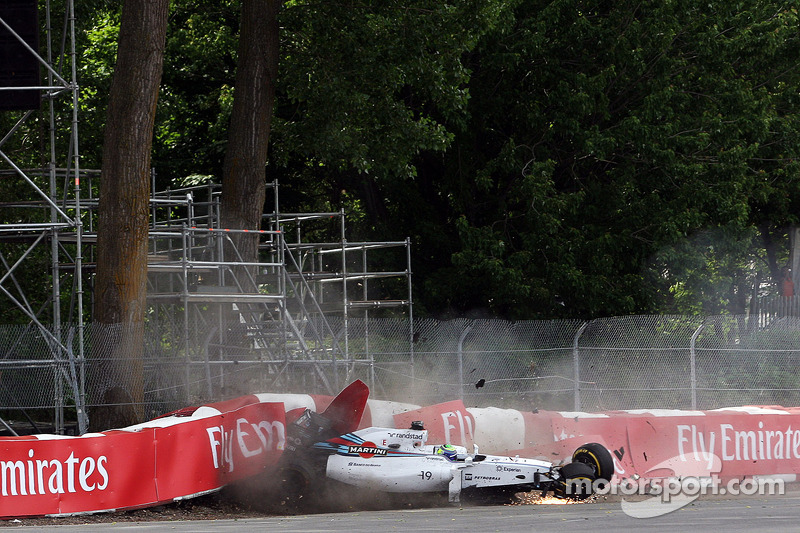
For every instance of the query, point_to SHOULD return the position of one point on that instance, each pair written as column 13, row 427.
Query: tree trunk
column 121, row 279
column 244, row 173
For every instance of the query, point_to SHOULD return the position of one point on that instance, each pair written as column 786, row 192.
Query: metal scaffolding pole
column 60, row 94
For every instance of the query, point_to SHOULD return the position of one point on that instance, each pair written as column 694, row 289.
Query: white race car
column 401, row 461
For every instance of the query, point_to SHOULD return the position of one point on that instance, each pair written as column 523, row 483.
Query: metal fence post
column 576, row 364
column 461, row 359
column 693, row 365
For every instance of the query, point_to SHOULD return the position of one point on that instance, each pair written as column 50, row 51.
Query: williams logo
column 366, row 450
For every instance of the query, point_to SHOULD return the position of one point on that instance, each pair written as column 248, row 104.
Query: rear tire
column 598, row 457
column 294, row 491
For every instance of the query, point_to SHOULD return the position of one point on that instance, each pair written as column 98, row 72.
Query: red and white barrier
column 730, row 443
column 198, row 450
column 174, row 457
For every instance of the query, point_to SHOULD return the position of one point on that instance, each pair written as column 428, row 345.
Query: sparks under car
column 325, row 447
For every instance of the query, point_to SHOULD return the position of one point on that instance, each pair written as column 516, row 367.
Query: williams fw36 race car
column 324, row 448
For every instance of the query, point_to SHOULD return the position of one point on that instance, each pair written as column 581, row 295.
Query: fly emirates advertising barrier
column 730, row 443
column 186, row 454
column 199, row 450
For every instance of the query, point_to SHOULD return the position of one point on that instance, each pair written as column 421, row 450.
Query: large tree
column 244, row 179
column 120, row 282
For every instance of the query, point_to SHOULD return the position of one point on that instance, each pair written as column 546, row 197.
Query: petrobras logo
column 367, row 450
column 251, row 439
column 36, row 476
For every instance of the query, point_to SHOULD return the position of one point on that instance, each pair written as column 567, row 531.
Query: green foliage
column 98, row 42
column 197, row 89
column 608, row 142
column 364, row 90
column 364, row 86
column 196, row 95
column 548, row 158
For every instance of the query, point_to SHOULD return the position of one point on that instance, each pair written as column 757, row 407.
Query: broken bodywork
column 327, row 447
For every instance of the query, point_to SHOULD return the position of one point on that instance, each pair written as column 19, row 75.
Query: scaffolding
column 284, row 318
column 288, row 313
column 56, row 210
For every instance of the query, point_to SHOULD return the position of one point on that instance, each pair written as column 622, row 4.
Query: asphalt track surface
column 758, row 513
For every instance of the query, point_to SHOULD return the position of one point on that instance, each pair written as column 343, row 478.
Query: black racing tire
column 294, row 489
column 576, row 482
column 598, row 457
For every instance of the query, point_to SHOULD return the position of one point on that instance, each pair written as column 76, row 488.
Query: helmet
column 448, row 450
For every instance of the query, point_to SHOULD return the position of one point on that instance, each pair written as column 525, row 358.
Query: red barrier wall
column 448, row 422
column 174, row 458
column 729, row 443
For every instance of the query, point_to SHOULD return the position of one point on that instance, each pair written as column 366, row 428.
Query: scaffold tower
column 44, row 212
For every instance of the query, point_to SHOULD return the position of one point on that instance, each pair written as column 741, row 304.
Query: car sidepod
column 397, row 472
column 413, row 473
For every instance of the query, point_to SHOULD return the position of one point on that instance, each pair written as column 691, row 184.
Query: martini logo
column 366, row 450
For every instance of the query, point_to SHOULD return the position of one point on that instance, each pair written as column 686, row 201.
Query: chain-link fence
column 635, row 362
